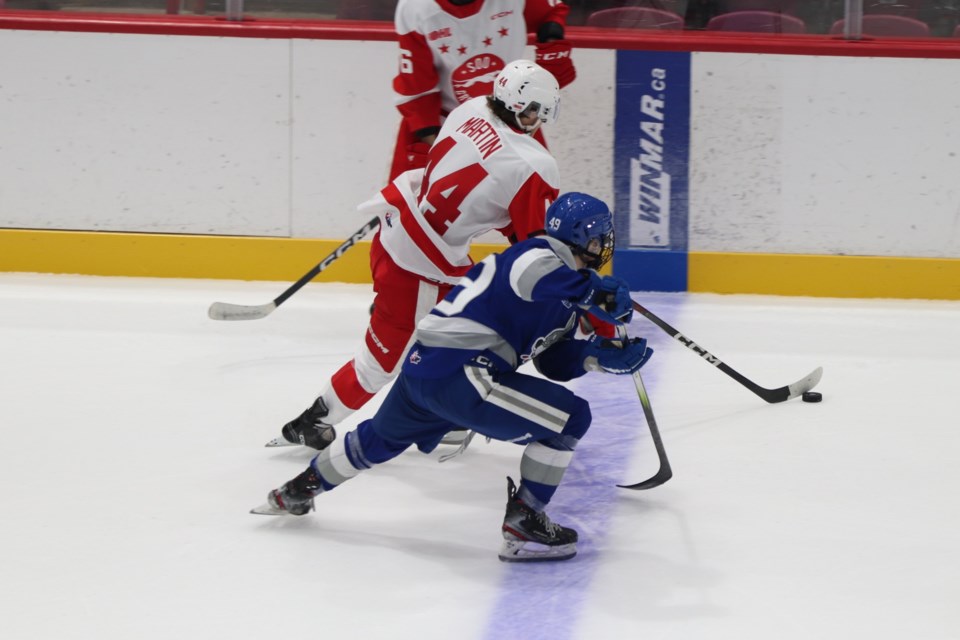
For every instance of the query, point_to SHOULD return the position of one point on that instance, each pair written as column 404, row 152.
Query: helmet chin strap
column 529, row 130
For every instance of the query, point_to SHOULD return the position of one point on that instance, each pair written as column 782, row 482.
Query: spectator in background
column 451, row 51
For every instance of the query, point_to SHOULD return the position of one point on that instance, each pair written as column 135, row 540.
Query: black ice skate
column 529, row 535
column 294, row 498
column 307, row 429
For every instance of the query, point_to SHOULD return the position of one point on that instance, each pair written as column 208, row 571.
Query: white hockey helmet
column 523, row 85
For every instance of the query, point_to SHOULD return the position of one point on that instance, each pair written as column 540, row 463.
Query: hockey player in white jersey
column 519, row 306
column 452, row 50
column 486, row 172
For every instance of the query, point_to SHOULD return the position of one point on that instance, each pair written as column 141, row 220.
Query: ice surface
column 133, row 430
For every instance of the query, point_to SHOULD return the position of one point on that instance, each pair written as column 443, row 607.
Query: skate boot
column 530, row 536
column 307, row 429
column 294, row 498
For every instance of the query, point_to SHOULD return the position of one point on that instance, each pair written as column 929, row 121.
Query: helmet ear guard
column 585, row 224
column 525, row 88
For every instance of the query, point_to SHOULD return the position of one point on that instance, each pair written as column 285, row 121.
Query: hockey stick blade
column 227, row 311
column 658, row 479
column 780, row 394
column 803, row 385
column 664, row 473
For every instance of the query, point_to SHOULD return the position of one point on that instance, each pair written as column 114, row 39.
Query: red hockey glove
column 418, row 154
column 554, row 56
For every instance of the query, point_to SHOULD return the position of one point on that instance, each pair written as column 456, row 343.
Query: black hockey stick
column 770, row 395
column 664, row 473
column 228, row 311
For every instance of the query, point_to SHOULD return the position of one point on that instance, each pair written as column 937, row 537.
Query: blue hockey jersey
column 509, row 308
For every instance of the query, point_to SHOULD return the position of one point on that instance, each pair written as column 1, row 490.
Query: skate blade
column 464, row 443
column 456, row 437
column 267, row 509
column 281, row 442
column 516, row 550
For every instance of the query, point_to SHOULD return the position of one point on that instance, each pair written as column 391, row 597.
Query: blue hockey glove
column 608, row 298
column 609, row 356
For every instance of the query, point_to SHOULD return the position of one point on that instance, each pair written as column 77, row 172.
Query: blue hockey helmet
column 585, row 224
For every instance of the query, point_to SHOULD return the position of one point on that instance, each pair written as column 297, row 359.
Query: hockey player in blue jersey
column 462, row 371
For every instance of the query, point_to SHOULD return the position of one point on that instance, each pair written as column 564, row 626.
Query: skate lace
column 323, row 429
column 549, row 525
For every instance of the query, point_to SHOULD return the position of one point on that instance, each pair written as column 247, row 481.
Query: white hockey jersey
column 458, row 50
column 482, row 175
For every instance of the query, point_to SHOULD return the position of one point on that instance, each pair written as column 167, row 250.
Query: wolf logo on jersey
column 542, row 344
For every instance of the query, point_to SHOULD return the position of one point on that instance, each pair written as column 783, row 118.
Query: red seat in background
column 887, row 25
column 757, row 22
column 635, row 18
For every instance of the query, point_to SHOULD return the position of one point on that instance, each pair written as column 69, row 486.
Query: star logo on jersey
column 503, row 31
column 462, row 50
column 488, row 41
column 444, row 48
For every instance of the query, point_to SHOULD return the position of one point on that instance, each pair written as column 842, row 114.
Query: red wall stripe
column 582, row 37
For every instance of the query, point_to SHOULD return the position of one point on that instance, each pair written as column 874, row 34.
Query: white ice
column 132, row 449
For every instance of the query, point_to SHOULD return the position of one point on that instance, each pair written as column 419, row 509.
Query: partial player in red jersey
column 486, row 172
column 451, row 51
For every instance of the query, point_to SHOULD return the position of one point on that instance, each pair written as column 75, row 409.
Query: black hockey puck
column 811, row 396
